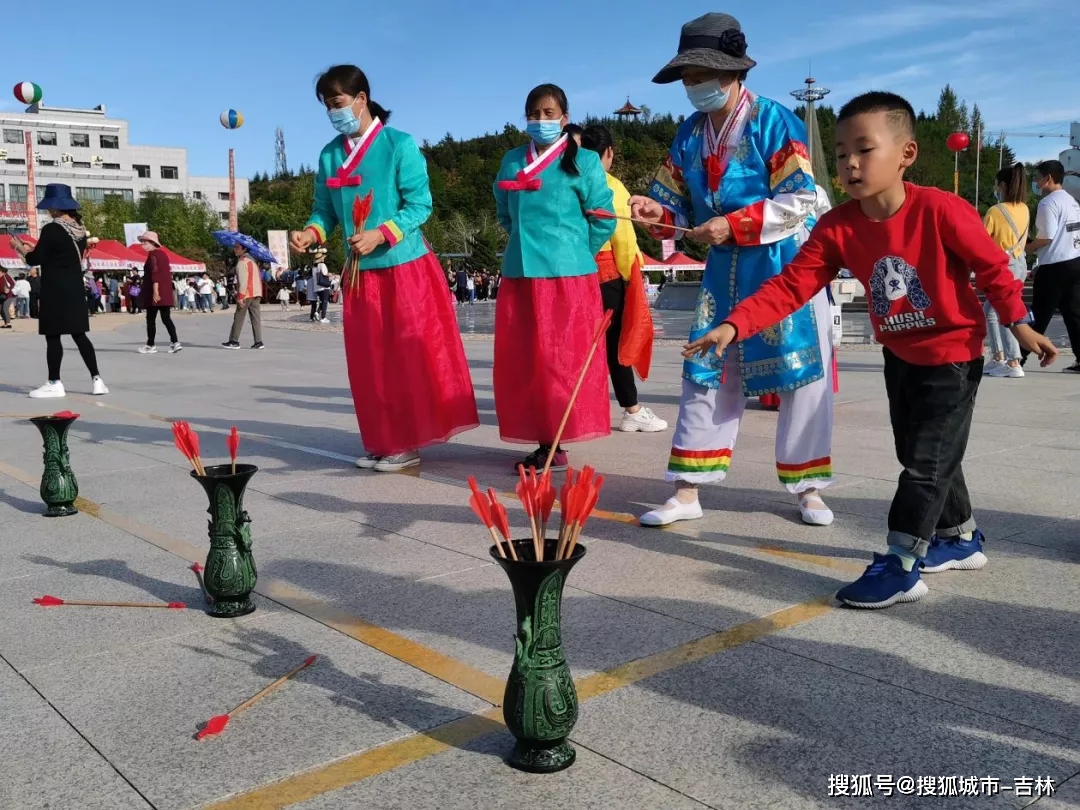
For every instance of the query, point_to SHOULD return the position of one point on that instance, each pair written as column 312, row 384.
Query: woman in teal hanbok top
column 549, row 301
column 407, row 369
column 738, row 174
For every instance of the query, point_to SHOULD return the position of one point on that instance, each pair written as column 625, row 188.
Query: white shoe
column 1005, row 370
column 50, row 390
column 991, row 366
column 672, row 511
column 814, row 512
column 176, row 347
column 148, row 350
column 644, row 421
column 367, row 462
column 397, row 462
column 325, row 320
column 99, row 387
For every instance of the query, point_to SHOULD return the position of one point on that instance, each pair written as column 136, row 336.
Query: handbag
column 323, row 280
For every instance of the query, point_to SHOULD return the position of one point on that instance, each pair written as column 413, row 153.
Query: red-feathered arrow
column 233, row 443
column 217, row 723
column 53, row 601
column 600, row 213
column 482, row 509
column 65, row 415
column 501, row 520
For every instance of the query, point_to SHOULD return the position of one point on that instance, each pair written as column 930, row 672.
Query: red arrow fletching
column 177, row 606
column 48, row 601
column 233, row 443
column 499, row 516
column 215, row 725
column 482, row 509
column 65, row 415
column 197, row 568
column 310, row 660
column 599, row 213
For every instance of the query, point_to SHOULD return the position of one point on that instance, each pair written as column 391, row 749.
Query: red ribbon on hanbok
column 344, row 176
column 522, row 183
column 528, row 179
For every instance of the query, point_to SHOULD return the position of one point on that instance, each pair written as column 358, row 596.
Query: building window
column 98, row 195
column 80, row 139
column 80, row 164
column 13, row 136
column 46, row 162
column 115, row 167
column 1, row 194
column 170, row 173
column 223, row 195
column 109, row 141
column 197, row 195
column 225, row 217
column 46, row 139
column 17, row 194
column 16, row 161
column 141, row 171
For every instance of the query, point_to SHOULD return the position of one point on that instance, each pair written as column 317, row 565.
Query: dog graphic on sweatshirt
column 894, row 279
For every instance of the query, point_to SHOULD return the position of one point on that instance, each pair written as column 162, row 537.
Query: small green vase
column 540, row 705
column 59, row 489
column 230, row 574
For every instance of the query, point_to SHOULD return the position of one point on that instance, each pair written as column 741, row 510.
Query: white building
column 91, row 153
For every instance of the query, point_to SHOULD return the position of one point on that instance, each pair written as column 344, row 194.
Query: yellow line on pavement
column 475, row 682
column 366, row 764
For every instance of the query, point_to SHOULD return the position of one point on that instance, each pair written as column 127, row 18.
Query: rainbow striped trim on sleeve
column 392, row 232
column 792, row 157
column 699, row 461
column 317, row 229
column 818, row 469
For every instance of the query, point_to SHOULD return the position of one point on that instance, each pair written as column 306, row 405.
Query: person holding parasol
column 407, row 369
column 739, row 176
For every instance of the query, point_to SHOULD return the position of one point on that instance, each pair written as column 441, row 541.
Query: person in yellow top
column 622, row 290
column 1007, row 223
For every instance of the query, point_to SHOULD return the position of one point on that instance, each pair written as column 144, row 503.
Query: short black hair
column 1052, row 169
column 896, row 108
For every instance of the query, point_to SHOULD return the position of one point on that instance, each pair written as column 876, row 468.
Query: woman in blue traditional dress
column 739, row 176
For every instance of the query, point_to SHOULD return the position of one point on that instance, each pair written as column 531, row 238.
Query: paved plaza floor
column 713, row 667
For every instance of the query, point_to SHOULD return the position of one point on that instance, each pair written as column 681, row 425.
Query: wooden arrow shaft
column 117, row 604
column 657, row 225
column 251, row 701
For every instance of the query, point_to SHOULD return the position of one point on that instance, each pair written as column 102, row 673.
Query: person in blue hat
column 62, row 304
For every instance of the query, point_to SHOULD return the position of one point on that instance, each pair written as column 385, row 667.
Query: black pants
column 151, row 324
column 1057, row 287
column 613, row 296
column 320, row 303
column 54, row 354
column 930, row 408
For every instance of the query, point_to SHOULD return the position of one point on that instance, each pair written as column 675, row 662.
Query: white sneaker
column 99, row 387
column 991, row 366
column 1005, row 370
column 50, row 390
column 814, row 512
column 672, row 511
column 176, row 347
column 368, row 462
column 325, row 320
column 397, row 462
column 644, row 421
column 148, row 350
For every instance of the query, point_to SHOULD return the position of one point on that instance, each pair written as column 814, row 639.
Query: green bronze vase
column 59, row 489
column 540, row 705
column 230, row 574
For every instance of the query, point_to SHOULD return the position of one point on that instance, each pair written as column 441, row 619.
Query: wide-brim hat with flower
column 713, row 42
column 58, row 198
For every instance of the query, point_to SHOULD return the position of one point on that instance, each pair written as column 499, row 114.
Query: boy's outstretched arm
column 814, row 266
column 964, row 235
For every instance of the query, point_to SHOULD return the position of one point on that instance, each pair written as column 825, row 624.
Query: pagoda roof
column 628, row 109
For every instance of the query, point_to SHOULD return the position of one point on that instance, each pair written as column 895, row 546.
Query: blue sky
column 170, row 69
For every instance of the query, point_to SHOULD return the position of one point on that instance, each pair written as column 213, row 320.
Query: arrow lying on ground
column 216, row 724
column 53, row 601
column 198, row 569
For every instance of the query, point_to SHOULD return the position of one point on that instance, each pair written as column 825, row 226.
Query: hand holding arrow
column 217, row 723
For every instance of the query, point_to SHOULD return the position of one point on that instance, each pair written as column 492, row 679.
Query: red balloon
column 958, row 141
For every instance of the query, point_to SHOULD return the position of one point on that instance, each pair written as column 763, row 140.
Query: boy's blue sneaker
column 884, row 583
column 954, row 553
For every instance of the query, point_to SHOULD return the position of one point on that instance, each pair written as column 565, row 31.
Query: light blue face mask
column 708, row 96
column 1038, row 192
column 544, row 133
column 997, row 194
column 344, row 120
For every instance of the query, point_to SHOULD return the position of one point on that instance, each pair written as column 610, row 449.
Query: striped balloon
column 28, row 92
column 231, row 119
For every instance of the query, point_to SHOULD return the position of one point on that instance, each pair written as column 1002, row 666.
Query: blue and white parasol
column 257, row 249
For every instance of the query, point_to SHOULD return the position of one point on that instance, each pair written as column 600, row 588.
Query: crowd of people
column 737, row 178
column 469, row 287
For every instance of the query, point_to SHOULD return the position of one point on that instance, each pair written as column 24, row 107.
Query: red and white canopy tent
column 183, row 265
column 100, row 260
column 678, row 262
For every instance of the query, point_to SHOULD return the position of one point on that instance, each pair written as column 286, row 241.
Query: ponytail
column 378, row 111
column 568, row 162
column 1014, row 178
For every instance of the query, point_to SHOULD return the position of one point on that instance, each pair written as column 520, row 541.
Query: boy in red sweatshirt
column 913, row 248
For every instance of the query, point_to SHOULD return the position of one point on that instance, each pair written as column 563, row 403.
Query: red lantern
column 958, row 141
